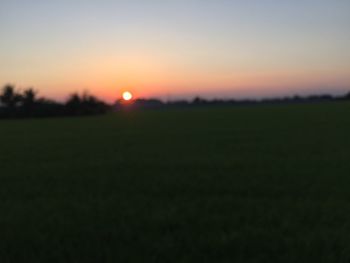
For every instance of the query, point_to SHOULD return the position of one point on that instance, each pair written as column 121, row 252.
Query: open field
column 240, row 184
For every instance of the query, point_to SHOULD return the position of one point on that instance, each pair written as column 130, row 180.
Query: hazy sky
column 176, row 48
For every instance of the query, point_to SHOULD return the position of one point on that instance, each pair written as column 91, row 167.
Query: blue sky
column 180, row 48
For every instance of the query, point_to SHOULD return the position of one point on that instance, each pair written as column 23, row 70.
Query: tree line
column 199, row 102
column 26, row 104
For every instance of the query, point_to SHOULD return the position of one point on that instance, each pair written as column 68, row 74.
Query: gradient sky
column 176, row 48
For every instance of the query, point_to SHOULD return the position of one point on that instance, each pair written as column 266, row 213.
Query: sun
column 127, row 95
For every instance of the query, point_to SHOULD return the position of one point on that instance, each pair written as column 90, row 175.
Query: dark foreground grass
column 244, row 184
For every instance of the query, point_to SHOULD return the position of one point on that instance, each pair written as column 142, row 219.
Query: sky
column 174, row 49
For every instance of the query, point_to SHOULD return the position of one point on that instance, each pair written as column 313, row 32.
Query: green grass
column 240, row 184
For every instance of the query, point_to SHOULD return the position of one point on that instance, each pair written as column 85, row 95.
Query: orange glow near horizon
column 172, row 83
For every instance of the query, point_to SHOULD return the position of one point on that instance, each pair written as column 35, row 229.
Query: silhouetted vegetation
column 140, row 104
column 26, row 104
column 84, row 105
column 347, row 96
column 198, row 101
column 10, row 100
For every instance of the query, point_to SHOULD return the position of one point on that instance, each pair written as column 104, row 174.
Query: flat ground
column 239, row 184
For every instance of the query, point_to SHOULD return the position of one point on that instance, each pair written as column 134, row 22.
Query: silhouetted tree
column 198, row 100
column 29, row 103
column 29, row 97
column 92, row 105
column 10, row 100
column 9, row 97
column 73, row 104
column 85, row 104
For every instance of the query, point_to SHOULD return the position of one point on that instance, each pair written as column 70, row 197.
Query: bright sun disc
column 127, row 95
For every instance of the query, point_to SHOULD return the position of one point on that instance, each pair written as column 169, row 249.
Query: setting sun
column 127, row 96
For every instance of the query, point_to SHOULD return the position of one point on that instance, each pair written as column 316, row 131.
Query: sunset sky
column 176, row 48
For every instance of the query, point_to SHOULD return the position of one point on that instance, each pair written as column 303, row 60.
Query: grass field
column 240, row 184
